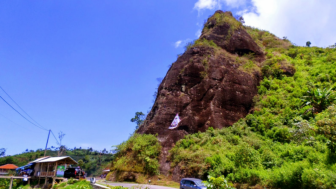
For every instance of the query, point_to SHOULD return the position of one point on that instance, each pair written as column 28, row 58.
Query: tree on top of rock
column 308, row 43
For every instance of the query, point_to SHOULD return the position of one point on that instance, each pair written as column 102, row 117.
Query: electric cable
column 22, row 115
column 35, row 124
column 55, row 137
column 14, row 122
column 19, row 106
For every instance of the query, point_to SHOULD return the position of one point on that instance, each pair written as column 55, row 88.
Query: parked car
column 192, row 183
column 74, row 173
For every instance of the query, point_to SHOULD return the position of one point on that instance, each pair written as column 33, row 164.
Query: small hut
column 51, row 168
column 4, row 169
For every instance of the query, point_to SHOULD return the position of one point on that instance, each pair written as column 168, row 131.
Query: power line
column 22, row 115
column 13, row 122
column 19, row 106
column 35, row 124
column 55, row 138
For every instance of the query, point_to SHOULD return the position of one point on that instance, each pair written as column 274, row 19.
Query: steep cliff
column 211, row 85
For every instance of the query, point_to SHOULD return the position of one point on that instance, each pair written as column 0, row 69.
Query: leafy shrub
column 204, row 43
column 60, row 185
column 72, row 181
column 218, row 183
column 247, row 157
column 138, row 154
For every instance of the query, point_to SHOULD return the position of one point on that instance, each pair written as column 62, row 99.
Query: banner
column 60, row 171
column 175, row 122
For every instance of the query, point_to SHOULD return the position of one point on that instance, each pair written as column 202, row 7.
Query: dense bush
column 138, row 154
column 218, row 183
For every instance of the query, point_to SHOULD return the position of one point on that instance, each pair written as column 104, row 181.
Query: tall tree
column 2, row 152
column 62, row 148
column 138, row 119
column 241, row 19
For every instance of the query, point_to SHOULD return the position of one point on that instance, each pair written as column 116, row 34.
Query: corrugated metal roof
column 39, row 159
column 54, row 159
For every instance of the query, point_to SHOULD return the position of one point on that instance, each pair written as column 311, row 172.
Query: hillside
column 93, row 162
column 279, row 134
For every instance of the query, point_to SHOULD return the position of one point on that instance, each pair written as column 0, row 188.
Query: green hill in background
column 93, row 162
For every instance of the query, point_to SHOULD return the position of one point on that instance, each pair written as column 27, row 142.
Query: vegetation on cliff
column 288, row 138
column 281, row 144
column 138, row 154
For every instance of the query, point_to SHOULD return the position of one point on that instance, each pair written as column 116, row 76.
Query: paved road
column 137, row 186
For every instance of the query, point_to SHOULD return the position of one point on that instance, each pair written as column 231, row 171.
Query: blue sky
column 85, row 67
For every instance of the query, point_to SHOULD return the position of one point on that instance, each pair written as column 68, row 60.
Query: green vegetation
column 265, row 39
column 138, row 154
column 73, row 184
column 4, row 183
column 201, row 43
column 218, row 183
column 221, row 19
column 280, row 144
column 204, row 42
column 93, row 162
column 287, row 141
column 318, row 99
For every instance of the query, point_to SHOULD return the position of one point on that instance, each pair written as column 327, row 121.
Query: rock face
column 207, row 85
column 226, row 33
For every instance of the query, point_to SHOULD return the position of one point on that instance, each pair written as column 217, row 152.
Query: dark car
column 74, row 173
column 192, row 183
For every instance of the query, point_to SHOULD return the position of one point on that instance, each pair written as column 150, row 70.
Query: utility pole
column 45, row 151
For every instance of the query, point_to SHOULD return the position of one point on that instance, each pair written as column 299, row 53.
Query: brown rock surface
column 207, row 86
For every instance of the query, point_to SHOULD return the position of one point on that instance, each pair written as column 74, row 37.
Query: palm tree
column 318, row 99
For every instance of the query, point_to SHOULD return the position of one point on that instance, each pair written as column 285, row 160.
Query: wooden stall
column 46, row 168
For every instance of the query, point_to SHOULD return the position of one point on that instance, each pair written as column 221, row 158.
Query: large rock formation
column 208, row 86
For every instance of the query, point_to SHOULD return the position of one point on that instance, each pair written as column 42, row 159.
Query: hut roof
column 55, row 159
column 8, row 166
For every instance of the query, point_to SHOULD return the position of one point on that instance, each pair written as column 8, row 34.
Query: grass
column 221, row 19
column 156, row 180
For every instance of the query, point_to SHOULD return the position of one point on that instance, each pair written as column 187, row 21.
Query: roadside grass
column 74, row 184
column 156, row 180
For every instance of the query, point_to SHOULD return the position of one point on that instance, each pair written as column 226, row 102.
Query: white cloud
column 217, row 4
column 178, row 43
column 299, row 20
column 206, row 4
column 234, row 3
column 198, row 33
column 181, row 43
